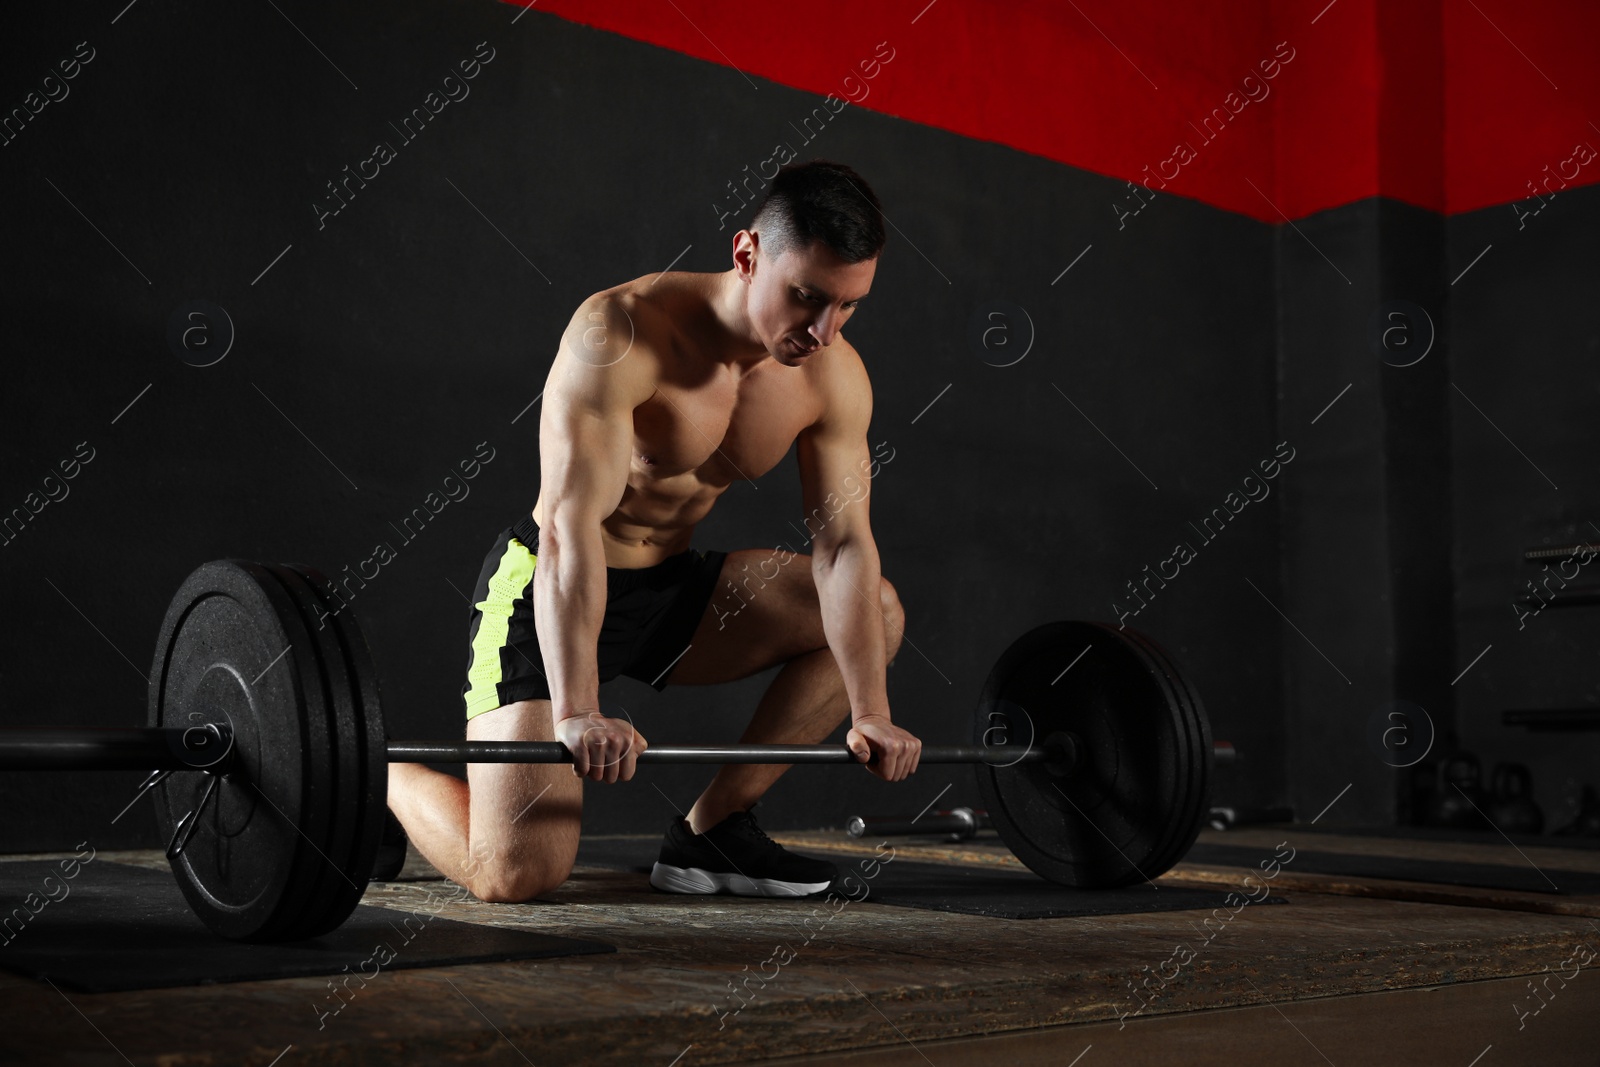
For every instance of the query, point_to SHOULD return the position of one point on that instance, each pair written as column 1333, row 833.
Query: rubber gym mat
column 113, row 927
column 1004, row 894
column 1521, row 877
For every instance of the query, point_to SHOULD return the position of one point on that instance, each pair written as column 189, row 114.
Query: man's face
column 799, row 301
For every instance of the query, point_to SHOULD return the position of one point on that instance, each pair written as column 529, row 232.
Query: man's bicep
column 834, row 460
column 834, row 464
column 583, row 460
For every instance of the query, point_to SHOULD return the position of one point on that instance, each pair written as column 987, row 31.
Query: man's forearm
column 569, row 602
column 848, row 582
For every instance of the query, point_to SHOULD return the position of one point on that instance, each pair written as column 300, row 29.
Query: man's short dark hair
column 821, row 201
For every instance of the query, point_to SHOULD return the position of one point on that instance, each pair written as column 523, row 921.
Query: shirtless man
column 665, row 391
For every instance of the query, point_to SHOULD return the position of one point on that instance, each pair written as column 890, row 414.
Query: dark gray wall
column 1527, row 362
column 377, row 352
column 1403, row 535
column 1367, row 532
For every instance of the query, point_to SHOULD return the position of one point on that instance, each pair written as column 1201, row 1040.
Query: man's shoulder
column 622, row 307
column 645, row 315
column 609, row 353
column 841, row 367
column 839, row 377
column 623, row 327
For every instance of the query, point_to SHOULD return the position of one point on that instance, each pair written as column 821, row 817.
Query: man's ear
column 744, row 252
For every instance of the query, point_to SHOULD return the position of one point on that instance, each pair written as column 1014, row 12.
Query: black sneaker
column 391, row 851
column 735, row 856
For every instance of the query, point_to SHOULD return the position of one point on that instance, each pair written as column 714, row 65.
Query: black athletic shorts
column 651, row 615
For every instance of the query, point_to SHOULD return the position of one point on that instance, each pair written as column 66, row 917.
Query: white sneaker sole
column 694, row 880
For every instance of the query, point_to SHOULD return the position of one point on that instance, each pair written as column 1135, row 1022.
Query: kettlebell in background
column 1459, row 798
column 1586, row 823
column 1511, row 804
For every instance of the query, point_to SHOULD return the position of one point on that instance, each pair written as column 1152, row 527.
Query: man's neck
column 739, row 347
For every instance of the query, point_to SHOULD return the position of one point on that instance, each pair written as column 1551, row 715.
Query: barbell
column 269, row 763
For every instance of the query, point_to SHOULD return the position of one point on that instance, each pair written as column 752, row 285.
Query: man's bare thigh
column 523, row 807
column 764, row 612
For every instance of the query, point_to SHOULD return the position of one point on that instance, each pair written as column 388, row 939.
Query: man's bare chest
column 723, row 431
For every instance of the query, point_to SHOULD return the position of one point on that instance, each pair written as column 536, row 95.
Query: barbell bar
column 269, row 762
column 1060, row 749
column 193, row 748
column 190, row 748
column 555, row 752
column 115, row 749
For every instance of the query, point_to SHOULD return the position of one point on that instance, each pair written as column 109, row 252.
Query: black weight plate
column 1186, row 742
column 1166, row 837
column 1200, row 726
column 300, row 917
column 1103, row 824
column 326, row 865
column 335, row 893
column 232, row 649
column 1189, row 817
column 1181, row 816
column 371, row 803
column 361, row 712
column 1189, row 775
